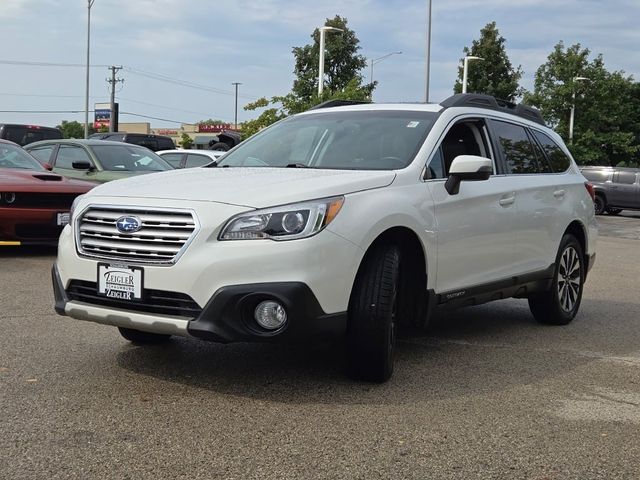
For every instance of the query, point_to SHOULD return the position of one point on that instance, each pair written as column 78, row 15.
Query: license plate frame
column 120, row 282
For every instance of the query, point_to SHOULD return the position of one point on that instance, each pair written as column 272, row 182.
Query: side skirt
column 518, row 287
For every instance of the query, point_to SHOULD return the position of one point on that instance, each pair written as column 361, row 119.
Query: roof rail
column 487, row 101
column 338, row 103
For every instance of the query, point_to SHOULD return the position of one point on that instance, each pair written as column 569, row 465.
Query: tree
column 211, row 121
column 343, row 79
column 607, row 106
column 185, row 141
column 73, row 129
column 494, row 75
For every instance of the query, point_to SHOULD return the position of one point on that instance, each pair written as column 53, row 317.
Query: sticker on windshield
column 413, row 124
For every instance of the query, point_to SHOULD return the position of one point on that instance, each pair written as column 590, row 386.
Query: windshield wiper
column 296, row 165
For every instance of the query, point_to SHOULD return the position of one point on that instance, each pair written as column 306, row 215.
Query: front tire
column 614, row 211
column 138, row 337
column 559, row 304
column 371, row 333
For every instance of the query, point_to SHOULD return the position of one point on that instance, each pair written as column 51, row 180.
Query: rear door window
column 516, row 147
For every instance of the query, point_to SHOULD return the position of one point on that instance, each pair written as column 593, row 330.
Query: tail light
column 590, row 189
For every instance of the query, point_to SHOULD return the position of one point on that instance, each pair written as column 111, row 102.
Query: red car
column 34, row 203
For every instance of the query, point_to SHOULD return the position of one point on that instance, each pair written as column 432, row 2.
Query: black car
column 152, row 142
column 616, row 188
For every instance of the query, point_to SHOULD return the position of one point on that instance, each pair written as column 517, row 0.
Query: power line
column 165, row 107
column 91, row 111
column 184, row 83
column 136, row 71
column 154, row 118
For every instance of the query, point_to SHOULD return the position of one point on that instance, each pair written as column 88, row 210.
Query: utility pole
column 236, row 117
column 428, row 62
column 113, row 81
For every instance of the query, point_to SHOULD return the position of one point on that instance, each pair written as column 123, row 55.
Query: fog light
column 270, row 315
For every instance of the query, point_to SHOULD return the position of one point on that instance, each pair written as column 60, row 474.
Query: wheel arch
column 413, row 271
column 578, row 230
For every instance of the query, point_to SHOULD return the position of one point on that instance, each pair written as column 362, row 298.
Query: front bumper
column 227, row 317
column 29, row 226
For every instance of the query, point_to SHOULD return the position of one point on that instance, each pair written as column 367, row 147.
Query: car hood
column 250, row 187
column 40, row 181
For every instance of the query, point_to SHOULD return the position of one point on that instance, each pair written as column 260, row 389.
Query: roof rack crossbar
column 487, row 101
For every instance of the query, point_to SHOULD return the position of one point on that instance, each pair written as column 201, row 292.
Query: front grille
column 154, row 301
column 58, row 201
column 163, row 234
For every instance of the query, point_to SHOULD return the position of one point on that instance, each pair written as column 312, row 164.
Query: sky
column 209, row 44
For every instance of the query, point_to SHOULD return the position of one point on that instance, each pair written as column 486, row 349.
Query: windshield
column 128, row 158
column 12, row 156
column 359, row 140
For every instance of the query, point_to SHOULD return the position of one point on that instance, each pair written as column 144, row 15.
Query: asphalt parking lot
column 483, row 393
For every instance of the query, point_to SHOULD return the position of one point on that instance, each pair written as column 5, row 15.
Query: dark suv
column 26, row 134
column 616, row 188
column 152, row 142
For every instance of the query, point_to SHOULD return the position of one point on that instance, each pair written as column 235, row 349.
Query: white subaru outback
column 349, row 220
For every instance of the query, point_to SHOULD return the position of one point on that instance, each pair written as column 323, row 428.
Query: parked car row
column 39, row 182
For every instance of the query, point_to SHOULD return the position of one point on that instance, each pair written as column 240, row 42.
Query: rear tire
column 559, row 304
column 138, row 337
column 220, row 147
column 371, row 333
column 599, row 204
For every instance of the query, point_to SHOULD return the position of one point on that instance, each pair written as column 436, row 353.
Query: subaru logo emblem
column 128, row 224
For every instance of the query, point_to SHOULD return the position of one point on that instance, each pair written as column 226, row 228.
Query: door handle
column 558, row 194
column 506, row 201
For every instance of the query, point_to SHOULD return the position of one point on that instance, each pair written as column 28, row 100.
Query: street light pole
column 321, row 64
column 428, row 51
column 465, row 69
column 378, row 60
column 86, row 96
column 573, row 105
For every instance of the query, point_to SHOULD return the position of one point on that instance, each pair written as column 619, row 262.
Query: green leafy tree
column 494, row 75
column 607, row 106
column 343, row 78
column 73, row 129
column 185, row 141
column 211, row 121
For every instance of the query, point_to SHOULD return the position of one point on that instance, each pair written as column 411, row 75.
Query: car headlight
column 289, row 222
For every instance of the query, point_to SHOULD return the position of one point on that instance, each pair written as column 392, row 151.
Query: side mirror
column 467, row 168
column 48, row 166
column 82, row 166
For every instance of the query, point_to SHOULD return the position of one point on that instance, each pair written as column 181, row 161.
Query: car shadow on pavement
column 466, row 352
